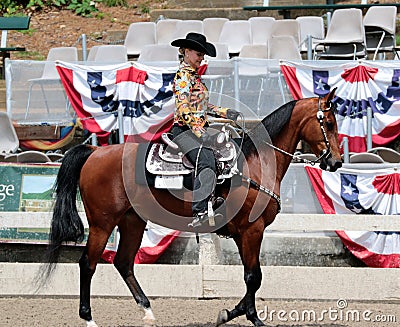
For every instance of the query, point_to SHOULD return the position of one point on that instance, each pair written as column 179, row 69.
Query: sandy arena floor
column 123, row 312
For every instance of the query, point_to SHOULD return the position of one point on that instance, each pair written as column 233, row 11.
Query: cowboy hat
column 196, row 41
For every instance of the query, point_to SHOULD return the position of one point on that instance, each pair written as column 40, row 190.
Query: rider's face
column 194, row 58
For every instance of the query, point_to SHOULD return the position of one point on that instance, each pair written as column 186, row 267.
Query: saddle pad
column 157, row 166
column 144, row 177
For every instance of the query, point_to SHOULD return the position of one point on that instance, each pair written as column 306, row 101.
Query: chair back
column 283, row 47
column 313, row 26
column 261, row 29
column 186, row 26
column 387, row 154
column 235, row 33
column 158, row 52
column 92, row 53
column 381, row 17
column 346, row 27
column 254, row 51
column 222, row 52
column 212, row 28
column 380, row 29
column 365, row 157
column 287, row 27
column 111, row 54
column 9, row 141
column 165, row 30
column 32, row 157
column 138, row 35
column 58, row 53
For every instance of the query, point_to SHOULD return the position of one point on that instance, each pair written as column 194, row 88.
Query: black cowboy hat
column 196, row 41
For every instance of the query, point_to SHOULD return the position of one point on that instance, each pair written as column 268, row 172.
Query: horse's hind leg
column 95, row 245
column 131, row 228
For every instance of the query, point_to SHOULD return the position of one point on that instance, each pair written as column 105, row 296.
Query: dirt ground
column 123, row 312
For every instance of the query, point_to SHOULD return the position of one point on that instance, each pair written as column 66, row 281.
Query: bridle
column 326, row 153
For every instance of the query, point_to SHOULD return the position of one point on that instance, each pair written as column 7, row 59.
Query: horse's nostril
column 338, row 164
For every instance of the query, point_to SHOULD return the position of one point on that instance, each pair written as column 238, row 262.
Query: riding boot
column 204, row 185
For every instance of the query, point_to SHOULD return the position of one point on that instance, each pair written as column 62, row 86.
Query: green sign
column 26, row 187
column 29, row 188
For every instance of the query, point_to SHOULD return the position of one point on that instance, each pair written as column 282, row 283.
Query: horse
column 106, row 179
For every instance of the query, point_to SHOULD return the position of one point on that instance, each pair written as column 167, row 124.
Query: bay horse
column 111, row 197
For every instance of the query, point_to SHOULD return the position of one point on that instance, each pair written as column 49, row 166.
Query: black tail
column 66, row 225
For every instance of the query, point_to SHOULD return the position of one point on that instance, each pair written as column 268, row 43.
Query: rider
column 190, row 119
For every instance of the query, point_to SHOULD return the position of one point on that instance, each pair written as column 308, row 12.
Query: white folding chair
column 158, row 52
column 235, row 33
column 345, row 38
column 313, row 27
column 261, row 29
column 50, row 75
column 165, row 30
column 138, row 35
column 387, row 154
column 282, row 47
column 250, row 70
column 365, row 157
column 287, row 27
column 9, row 141
column 32, row 157
column 92, row 53
column 221, row 50
column 186, row 26
column 254, row 51
column 216, row 81
column 380, row 29
column 111, row 53
column 212, row 28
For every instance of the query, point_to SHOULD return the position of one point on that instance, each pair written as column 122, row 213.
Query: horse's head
column 321, row 132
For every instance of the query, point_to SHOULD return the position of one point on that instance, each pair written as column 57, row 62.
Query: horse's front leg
column 249, row 248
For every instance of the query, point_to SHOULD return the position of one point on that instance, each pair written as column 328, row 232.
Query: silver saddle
column 167, row 162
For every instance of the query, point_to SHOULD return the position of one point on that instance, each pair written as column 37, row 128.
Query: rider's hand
column 232, row 114
column 206, row 138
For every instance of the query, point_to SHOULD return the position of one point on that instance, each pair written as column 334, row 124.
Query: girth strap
column 259, row 187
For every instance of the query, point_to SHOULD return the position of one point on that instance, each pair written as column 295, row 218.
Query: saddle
column 169, row 165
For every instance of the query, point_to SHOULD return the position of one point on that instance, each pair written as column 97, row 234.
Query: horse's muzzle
column 330, row 164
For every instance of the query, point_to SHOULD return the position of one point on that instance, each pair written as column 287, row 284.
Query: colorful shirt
column 191, row 99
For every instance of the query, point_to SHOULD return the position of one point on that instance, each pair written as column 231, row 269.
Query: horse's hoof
column 149, row 319
column 222, row 317
column 91, row 323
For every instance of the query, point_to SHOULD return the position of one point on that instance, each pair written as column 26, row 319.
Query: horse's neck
column 286, row 141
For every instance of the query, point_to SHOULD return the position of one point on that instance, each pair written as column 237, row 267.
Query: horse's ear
column 330, row 95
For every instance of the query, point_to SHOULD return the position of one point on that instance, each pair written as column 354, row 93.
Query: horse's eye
column 329, row 125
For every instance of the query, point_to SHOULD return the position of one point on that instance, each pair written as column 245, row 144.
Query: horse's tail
column 66, row 225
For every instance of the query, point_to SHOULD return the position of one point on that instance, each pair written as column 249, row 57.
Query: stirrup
column 198, row 219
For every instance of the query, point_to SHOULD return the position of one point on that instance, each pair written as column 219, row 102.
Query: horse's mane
column 273, row 124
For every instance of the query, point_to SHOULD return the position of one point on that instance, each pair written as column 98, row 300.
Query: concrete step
column 232, row 9
column 236, row 3
column 230, row 13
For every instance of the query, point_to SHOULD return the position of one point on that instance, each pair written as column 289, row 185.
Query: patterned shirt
column 191, row 99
